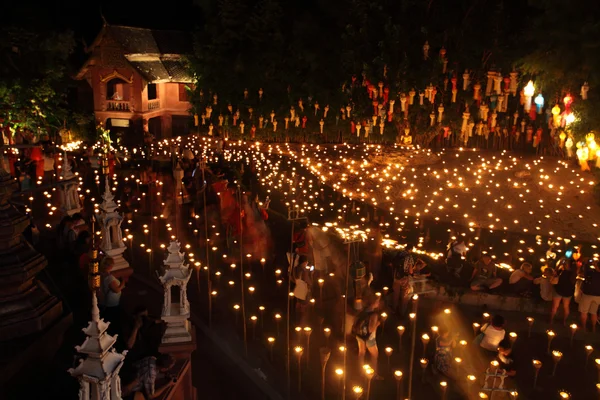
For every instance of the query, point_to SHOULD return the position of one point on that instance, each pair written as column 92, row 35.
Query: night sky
column 84, row 17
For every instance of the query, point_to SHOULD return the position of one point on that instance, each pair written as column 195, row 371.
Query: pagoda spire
column 176, row 312
column 98, row 370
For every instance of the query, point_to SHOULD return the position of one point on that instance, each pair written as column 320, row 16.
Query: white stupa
column 68, row 185
column 98, row 372
column 176, row 314
column 110, row 223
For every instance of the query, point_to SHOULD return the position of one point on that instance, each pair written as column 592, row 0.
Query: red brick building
column 138, row 77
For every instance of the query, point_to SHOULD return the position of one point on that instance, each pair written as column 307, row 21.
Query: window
column 183, row 94
column 152, row 93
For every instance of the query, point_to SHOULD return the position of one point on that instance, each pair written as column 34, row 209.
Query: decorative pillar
column 98, row 372
column 176, row 314
column 476, row 90
column 513, row 82
column 440, row 113
column 68, row 184
column 490, row 82
column 110, row 223
column 466, row 76
column 411, row 97
column 498, row 83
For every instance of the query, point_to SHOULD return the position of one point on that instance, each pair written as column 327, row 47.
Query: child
column 505, row 357
column 444, row 345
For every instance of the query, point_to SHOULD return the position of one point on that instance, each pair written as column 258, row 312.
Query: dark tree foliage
column 565, row 42
column 313, row 48
column 33, row 79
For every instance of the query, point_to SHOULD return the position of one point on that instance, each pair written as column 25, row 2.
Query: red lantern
column 386, row 94
column 568, row 100
column 506, row 83
column 371, row 89
column 453, row 80
column 375, row 104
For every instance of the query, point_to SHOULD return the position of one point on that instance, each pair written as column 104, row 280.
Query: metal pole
column 349, row 242
column 208, row 281
column 239, row 195
column 412, row 355
column 287, row 334
column 344, row 324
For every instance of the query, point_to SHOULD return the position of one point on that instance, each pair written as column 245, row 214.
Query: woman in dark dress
column 564, row 288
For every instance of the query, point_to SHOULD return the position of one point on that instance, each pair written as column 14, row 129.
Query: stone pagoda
column 176, row 314
column 98, row 372
column 26, row 305
column 110, row 223
column 68, row 185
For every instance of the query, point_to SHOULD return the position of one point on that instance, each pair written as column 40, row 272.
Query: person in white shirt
column 493, row 333
column 302, row 278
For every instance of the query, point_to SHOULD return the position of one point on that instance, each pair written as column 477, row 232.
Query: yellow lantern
column 562, row 136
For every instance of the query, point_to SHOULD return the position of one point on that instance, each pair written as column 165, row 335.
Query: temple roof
column 158, row 55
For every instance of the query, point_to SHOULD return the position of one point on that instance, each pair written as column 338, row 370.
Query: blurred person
column 590, row 293
column 484, row 275
column 563, row 289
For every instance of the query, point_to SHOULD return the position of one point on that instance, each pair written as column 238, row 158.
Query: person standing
column 563, row 289
column 110, row 294
column 590, row 293
column 365, row 330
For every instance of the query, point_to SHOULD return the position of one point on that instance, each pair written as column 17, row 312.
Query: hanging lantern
column 568, row 100
column 528, row 92
column 539, row 103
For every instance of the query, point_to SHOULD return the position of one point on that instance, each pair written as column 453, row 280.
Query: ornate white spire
column 176, row 311
column 99, row 370
column 66, row 172
column 108, row 204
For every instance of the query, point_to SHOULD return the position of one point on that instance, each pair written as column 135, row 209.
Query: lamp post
column 398, row 377
column 293, row 216
column 401, row 331
column 537, row 364
column 423, row 363
column 325, row 353
column 299, row 350
column 347, row 241
column 202, row 165
column 271, row 342
column 529, row 325
column 556, row 356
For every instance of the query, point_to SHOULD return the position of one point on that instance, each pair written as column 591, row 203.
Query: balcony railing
column 154, row 104
column 118, row 105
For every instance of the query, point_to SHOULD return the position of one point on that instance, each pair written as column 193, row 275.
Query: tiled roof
column 150, row 41
column 151, row 70
column 157, row 55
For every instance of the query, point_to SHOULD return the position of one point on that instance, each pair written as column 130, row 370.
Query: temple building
column 139, row 81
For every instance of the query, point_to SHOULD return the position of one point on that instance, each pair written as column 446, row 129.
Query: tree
column 565, row 39
column 33, row 80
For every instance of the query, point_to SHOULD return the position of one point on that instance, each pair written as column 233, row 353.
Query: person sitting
column 147, row 371
column 521, row 281
column 506, row 357
column 484, row 275
column 144, row 335
column 492, row 334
